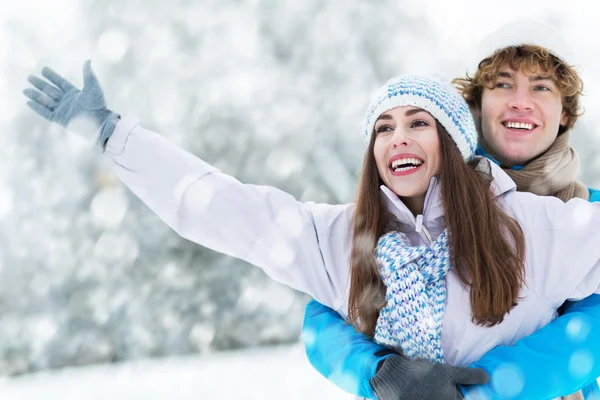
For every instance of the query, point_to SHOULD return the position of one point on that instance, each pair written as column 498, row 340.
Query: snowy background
column 271, row 91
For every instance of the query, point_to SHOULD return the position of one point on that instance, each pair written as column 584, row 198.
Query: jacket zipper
column 419, row 227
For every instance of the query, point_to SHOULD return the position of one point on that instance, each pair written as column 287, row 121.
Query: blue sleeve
column 347, row 358
column 558, row 359
column 594, row 195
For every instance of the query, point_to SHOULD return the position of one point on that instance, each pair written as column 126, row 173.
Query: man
column 525, row 100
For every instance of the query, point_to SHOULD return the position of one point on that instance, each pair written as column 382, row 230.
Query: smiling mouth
column 519, row 126
column 405, row 164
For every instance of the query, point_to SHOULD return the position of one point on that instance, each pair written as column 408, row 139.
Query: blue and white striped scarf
column 411, row 320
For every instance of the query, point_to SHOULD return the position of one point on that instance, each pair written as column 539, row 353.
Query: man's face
column 520, row 116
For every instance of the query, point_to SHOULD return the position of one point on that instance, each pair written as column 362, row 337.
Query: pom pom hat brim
column 433, row 95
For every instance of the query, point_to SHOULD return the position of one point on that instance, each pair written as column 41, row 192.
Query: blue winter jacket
column 550, row 362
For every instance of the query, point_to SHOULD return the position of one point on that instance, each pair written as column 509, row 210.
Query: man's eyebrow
column 535, row 78
column 505, row 74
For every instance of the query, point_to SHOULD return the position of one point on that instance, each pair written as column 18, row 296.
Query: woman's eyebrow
column 413, row 111
column 384, row 116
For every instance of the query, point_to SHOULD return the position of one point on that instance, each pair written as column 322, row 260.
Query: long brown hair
column 487, row 246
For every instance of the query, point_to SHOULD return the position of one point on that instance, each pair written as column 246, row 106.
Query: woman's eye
column 502, row 85
column 418, row 123
column 383, row 128
column 542, row 88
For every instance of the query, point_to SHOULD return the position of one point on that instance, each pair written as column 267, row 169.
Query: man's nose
column 522, row 101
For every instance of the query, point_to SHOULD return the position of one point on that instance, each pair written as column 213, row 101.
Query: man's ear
column 564, row 118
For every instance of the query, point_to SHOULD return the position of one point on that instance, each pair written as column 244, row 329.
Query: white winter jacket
column 307, row 245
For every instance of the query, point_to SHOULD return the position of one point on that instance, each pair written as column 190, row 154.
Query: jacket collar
column 433, row 210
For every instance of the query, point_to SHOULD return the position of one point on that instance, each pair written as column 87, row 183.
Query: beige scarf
column 574, row 396
column 554, row 173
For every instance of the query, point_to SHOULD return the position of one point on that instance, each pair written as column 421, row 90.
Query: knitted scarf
column 554, row 173
column 411, row 320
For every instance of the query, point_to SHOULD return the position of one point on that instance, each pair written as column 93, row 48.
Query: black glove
column 401, row 378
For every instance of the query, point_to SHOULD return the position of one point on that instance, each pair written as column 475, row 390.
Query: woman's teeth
column 406, row 164
column 404, row 168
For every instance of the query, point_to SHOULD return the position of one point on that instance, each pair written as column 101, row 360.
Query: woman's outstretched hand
column 80, row 111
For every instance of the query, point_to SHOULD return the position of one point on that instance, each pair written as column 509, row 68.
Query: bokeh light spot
column 581, row 363
column 113, row 44
column 109, row 207
column 578, row 329
column 508, row 380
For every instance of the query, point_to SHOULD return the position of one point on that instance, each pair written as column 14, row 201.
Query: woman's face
column 407, row 153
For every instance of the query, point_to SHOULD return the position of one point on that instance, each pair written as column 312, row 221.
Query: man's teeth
column 519, row 125
column 406, row 163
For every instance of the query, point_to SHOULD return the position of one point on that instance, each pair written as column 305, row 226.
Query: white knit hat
column 524, row 32
column 433, row 95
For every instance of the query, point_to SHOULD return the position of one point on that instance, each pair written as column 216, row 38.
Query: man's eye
column 418, row 123
column 502, row 85
column 542, row 88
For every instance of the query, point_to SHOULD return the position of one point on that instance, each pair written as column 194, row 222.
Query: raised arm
column 303, row 245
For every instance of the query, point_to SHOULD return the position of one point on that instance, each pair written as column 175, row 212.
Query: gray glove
column 401, row 378
column 80, row 111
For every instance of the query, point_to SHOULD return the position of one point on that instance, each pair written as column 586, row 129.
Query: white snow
column 257, row 374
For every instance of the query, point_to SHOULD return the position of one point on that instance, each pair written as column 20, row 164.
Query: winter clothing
column 523, row 32
column 361, row 355
column 439, row 98
column 217, row 211
column 81, row 111
column 411, row 320
column 574, row 333
column 346, row 351
column 354, row 351
column 350, row 359
column 395, row 380
column 594, row 195
column 554, row 173
column 564, row 185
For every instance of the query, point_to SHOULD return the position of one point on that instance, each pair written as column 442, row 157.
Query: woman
column 481, row 261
